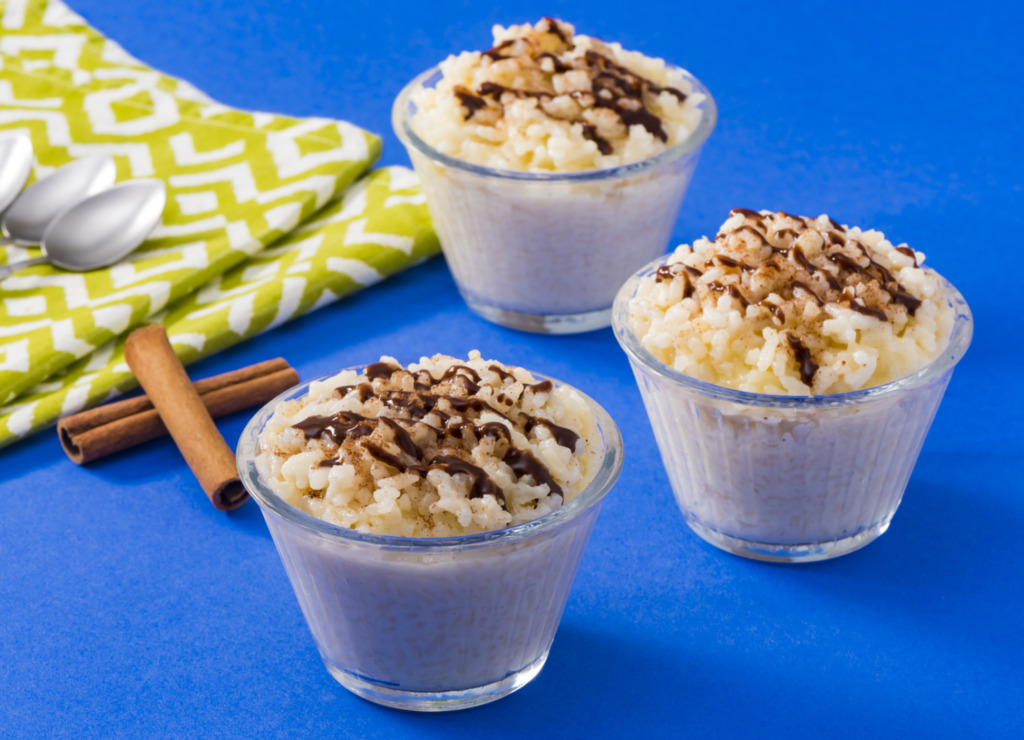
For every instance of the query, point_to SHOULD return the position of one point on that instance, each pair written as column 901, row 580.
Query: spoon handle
column 6, row 270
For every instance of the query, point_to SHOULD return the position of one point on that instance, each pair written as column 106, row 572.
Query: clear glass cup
column 546, row 252
column 788, row 478
column 432, row 624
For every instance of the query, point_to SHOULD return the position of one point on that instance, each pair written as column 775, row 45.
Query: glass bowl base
column 798, row 553
column 540, row 323
column 437, row 701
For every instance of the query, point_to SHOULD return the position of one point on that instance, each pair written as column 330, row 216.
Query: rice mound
column 543, row 99
column 441, row 448
column 788, row 305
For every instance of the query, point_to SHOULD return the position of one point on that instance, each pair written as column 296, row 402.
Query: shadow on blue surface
column 22, row 458
column 587, row 668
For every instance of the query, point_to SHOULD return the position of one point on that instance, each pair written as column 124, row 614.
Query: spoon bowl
column 36, row 208
column 15, row 166
column 103, row 228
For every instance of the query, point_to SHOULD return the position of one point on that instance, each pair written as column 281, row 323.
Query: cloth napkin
column 267, row 216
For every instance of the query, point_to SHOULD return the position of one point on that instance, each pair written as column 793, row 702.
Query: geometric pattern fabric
column 267, row 216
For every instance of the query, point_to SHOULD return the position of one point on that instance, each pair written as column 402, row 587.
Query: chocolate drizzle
column 801, row 259
column 417, row 405
column 751, row 230
column 807, row 290
column 557, row 65
column 860, row 308
column 906, row 300
column 457, row 423
column 730, row 262
column 552, row 26
column 469, row 101
column 564, row 437
column 482, row 483
column 621, row 91
column 732, row 290
column 803, row 357
column 338, row 427
column 612, row 86
column 379, row 370
column 842, row 271
column 909, row 252
column 665, row 273
column 849, row 271
column 495, row 52
column 885, row 274
column 365, row 390
column 501, row 372
column 389, row 459
column 402, row 438
column 603, row 145
column 495, row 91
column 523, row 464
column 747, row 213
column 495, row 430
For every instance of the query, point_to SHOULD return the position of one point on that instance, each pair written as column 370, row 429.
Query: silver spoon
column 101, row 229
column 36, row 208
column 15, row 166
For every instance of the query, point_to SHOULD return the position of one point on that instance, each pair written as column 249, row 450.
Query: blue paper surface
column 129, row 607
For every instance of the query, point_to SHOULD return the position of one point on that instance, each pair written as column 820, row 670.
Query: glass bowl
column 542, row 251
column 788, row 478
column 432, row 624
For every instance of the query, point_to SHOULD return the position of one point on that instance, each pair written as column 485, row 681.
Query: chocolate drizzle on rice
column 448, row 409
column 778, row 262
column 551, row 51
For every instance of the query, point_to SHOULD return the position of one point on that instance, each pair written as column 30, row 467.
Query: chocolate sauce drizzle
column 747, row 213
column 501, row 372
column 523, row 464
column 613, row 87
column 379, row 370
column 365, row 390
column 557, row 64
column 860, row 308
column 544, row 386
column 603, row 145
column 909, row 252
column 416, row 405
column 732, row 290
column 482, row 484
column 848, row 274
column 563, row 437
column 621, row 91
column 666, row 273
column 338, row 427
column 495, row 52
column 469, row 101
column 803, row 357
column 552, row 26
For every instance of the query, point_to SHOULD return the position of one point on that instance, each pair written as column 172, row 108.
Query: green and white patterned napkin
column 263, row 221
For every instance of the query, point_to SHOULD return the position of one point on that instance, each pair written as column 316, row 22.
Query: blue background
column 129, row 607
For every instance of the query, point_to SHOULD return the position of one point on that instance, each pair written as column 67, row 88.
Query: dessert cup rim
column 402, row 125
column 609, row 467
column 956, row 347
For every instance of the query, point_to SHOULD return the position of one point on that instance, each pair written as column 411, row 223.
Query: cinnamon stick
column 149, row 355
column 114, row 427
